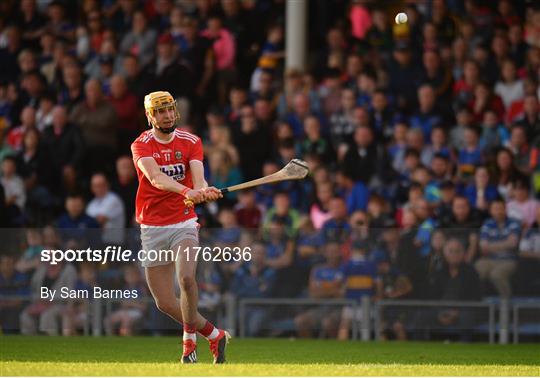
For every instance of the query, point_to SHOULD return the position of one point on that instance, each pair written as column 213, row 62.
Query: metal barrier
column 422, row 303
column 516, row 306
column 243, row 303
column 97, row 309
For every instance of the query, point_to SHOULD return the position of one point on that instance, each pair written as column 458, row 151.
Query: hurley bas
column 96, row 293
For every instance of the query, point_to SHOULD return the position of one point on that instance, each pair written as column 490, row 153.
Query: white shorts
column 162, row 238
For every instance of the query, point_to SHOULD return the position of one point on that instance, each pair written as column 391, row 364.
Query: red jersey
column 156, row 207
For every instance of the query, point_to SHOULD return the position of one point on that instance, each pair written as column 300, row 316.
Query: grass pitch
column 158, row 356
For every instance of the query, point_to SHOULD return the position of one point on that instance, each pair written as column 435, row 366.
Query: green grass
column 158, row 356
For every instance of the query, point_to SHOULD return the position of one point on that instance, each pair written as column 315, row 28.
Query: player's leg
column 186, row 271
column 189, row 296
column 160, row 282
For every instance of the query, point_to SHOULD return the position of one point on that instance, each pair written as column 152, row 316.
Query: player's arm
column 197, row 175
column 160, row 180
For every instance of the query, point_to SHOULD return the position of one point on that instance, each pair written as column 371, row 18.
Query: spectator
column 41, row 314
column 392, row 284
column 74, row 224
column 224, row 46
column 358, row 162
column 531, row 117
column 131, row 311
column 44, row 115
column 355, row 193
column 168, row 73
column 470, row 156
column 140, row 41
column 136, row 78
column 522, row 207
column 252, row 143
column 127, row 109
column 528, row 269
column 13, row 184
column 520, row 148
column 33, row 169
column 457, row 134
column 220, row 139
column 484, row 99
column 75, row 315
column 126, row 186
column 248, row 213
column 72, row 92
column 255, row 279
column 58, row 23
column 405, row 76
column 223, row 172
column 499, row 238
column 360, row 279
column 494, row 133
column 15, row 136
column 437, row 75
column 9, row 53
column 382, row 116
column 30, row 259
column 319, row 211
column 482, row 191
column 97, row 121
column 325, row 281
column 12, row 284
column 455, row 281
column 426, row 225
column 505, row 171
column 337, row 227
column 510, row 88
column 463, row 88
column 198, row 52
column 437, row 149
column 283, row 211
column 314, row 143
column 463, row 226
column 108, row 209
column 271, row 54
column 342, row 122
column 65, row 146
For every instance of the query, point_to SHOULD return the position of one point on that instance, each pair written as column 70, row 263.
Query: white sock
column 190, row 336
column 214, row 334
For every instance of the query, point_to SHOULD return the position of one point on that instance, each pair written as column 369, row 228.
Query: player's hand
column 212, row 193
column 195, row 196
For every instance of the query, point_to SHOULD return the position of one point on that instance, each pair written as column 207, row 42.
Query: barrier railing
column 521, row 305
column 368, row 325
column 489, row 305
column 245, row 302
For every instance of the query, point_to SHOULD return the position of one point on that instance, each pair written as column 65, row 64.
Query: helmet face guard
column 156, row 101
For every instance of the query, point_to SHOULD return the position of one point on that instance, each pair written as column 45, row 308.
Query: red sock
column 190, row 328
column 207, row 329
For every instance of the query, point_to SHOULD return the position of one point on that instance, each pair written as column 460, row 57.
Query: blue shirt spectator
column 359, row 273
column 495, row 232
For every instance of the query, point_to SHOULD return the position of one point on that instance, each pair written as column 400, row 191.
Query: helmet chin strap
column 166, row 130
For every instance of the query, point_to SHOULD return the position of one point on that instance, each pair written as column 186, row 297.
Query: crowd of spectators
column 423, row 142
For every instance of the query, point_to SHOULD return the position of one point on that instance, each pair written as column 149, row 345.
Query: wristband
column 184, row 191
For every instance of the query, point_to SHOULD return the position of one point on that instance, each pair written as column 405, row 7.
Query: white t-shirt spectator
column 109, row 206
column 510, row 92
column 525, row 212
column 531, row 241
column 14, row 186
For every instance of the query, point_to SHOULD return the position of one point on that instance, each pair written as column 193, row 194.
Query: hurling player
column 170, row 170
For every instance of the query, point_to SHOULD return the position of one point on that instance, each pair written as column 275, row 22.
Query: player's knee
column 187, row 283
column 165, row 306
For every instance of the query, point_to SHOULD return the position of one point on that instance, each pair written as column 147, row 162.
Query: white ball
column 401, row 18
